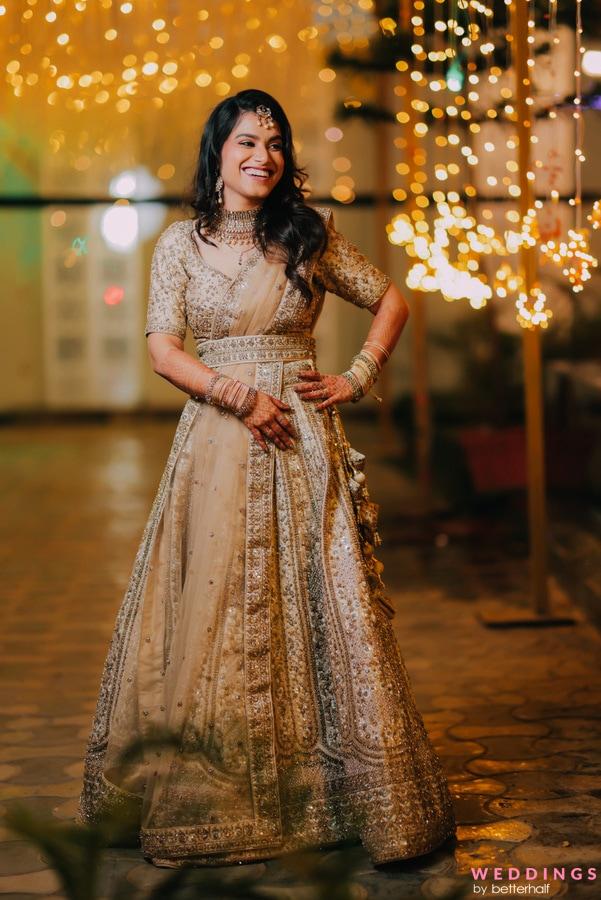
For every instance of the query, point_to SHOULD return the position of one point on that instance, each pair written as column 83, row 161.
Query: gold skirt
column 256, row 629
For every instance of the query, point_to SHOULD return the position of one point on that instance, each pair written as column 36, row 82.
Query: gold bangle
column 380, row 347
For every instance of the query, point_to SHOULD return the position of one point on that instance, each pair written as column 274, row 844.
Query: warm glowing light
column 119, row 227
column 572, row 256
column 113, row 295
column 327, row 75
column 58, row 218
column 591, row 63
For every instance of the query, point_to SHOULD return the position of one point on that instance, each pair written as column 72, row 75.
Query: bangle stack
column 362, row 374
column 355, row 385
column 380, row 347
column 232, row 395
column 248, row 402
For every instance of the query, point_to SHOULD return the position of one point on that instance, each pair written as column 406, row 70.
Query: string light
column 143, row 81
column 550, row 220
column 595, row 215
column 577, row 113
column 507, row 283
column 447, row 250
column 573, row 257
column 137, row 54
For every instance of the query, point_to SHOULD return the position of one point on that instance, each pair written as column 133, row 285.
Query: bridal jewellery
column 219, row 190
column 380, row 347
column 264, row 116
column 235, row 226
column 232, row 395
column 362, row 374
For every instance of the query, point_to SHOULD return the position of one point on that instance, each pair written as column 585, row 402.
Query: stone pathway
column 514, row 714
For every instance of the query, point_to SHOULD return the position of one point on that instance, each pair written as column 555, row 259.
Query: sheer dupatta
column 190, row 653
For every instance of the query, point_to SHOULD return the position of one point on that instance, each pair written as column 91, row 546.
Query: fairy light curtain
column 457, row 146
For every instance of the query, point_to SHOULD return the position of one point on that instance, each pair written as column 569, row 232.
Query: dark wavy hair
column 284, row 220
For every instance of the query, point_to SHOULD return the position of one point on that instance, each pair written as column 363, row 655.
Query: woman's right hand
column 268, row 420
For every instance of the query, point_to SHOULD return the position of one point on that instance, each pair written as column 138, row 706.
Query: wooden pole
column 539, row 615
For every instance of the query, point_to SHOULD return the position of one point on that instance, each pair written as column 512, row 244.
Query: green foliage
column 72, row 851
column 77, row 854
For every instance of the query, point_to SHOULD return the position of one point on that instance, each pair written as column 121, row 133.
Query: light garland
column 116, row 110
column 444, row 240
column 531, row 311
column 572, row 256
column 507, row 283
column 594, row 216
column 448, row 248
column 549, row 209
column 139, row 53
column 450, row 252
column 577, row 113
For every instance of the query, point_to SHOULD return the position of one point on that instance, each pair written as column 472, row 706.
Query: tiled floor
column 513, row 714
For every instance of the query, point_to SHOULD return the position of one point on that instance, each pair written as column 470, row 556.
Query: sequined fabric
column 255, row 626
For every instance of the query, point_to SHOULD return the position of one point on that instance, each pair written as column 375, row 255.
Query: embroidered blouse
column 184, row 289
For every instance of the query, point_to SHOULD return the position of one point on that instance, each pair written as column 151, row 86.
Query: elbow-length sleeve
column 168, row 278
column 345, row 271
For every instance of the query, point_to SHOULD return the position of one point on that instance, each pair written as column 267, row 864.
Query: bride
column 254, row 626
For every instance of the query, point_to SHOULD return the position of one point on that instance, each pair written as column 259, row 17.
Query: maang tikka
column 264, row 116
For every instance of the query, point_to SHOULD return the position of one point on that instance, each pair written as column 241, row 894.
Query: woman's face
column 252, row 162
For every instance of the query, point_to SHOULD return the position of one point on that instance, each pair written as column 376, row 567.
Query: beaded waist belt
column 255, row 348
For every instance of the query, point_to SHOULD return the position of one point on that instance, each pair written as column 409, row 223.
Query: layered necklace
column 235, row 227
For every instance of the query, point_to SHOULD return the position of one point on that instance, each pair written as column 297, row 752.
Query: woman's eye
column 250, row 144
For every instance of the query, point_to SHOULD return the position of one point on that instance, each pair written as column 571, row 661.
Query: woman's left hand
column 327, row 389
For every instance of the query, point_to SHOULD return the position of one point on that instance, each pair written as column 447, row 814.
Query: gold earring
column 219, row 189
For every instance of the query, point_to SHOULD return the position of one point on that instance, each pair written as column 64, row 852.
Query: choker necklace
column 235, row 226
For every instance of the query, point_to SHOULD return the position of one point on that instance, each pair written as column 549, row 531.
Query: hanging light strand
column 573, row 254
column 578, row 116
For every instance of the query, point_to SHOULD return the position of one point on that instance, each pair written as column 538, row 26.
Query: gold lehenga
column 254, row 624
